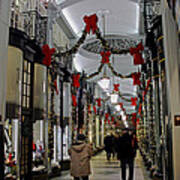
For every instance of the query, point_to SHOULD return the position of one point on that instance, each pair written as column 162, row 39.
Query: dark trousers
column 83, row 178
column 130, row 163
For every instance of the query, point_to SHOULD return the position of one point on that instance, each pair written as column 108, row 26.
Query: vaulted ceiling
column 121, row 22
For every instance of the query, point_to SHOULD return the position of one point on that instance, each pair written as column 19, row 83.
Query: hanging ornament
column 136, row 78
column 112, row 119
column 47, row 54
column 105, row 57
column 76, row 78
column 91, row 23
column 56, row 88
column 140, row 108
column 94, row 108
column 133, row 101
column 74, row 100
column 98, row 102
column 137, row 54
column 116, row 87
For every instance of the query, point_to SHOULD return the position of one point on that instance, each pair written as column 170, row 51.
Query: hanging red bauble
column 136, row 78
column 91, row 23
column 98, row 102
column 74, row 100
column 136, row 53
column 105, row 57
column 47, row 54
column 133, row 101
column 76, row 78
column 116, row 87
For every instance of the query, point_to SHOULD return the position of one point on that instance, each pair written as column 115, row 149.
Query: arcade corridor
column 81, row 77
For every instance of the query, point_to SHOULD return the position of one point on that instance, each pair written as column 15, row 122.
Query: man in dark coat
column 126, row 154
column 108, row 143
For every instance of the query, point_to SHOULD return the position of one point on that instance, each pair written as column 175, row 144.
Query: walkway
column 103, row 170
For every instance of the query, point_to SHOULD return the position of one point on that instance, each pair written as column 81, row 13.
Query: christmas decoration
column 91, row 23
column 133, row 100
column 98, row 102
column 94, row 108
column 105, row 57
column 76, row 78
column 136, row 52
column 116, row 87
column 47, row 54
column 136, row 78
column 74, row 100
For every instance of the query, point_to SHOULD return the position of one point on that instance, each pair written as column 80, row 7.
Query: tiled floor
column 104, row 170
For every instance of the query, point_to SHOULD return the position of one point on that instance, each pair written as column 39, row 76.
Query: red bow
column 76, row 78
column 98, row 102
column 91, row 23
column 94, row 108
column 121, row 105
column 74, row 100
column 140, row 108
column 136, row 52
column 48, row 53
column 112, row 119
column 105, row 57
column 55, row 85
column 136, row 77
column 133, row 100
column 116, row 87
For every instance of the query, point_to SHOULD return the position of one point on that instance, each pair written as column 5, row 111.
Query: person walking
column 80, row 154
column 126, row 154
column 108, row 143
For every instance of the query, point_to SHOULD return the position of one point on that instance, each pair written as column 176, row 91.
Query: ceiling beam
column 69, row 3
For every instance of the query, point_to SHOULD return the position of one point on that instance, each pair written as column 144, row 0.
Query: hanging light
column 104, row 83
column 118, row 108
column 114, row 98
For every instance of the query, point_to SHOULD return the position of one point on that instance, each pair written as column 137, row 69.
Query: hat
column 81, row 137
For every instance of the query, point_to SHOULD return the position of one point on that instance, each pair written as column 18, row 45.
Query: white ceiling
column 121, row 18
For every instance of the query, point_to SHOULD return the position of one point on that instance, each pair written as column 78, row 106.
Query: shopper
column 126, row 154
column 80, row 154
column 108, row 143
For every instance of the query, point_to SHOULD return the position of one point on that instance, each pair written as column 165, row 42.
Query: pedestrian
column 80, row 154
column 108, row 145
column 126, row 153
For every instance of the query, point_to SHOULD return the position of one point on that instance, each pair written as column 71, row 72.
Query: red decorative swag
column 91, row 23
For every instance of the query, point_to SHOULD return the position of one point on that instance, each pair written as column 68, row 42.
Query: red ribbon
column 55, row 85
column 76, row 78
column 74, row 100
column 133, row 101
column 94, row 108
column 10, row 157
column 106, row 116
column 105, row 57
column 112, row 119
column 98, row 102
column 116, row 87
column 136, row 77
column 91, row 23
column 47, row 53
column 136, row 52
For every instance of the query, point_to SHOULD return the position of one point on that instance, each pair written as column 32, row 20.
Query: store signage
column 177, row 120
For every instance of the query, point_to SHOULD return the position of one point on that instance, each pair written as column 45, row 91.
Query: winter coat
column 125, row 149
column 80, row 154
column 108, row 143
